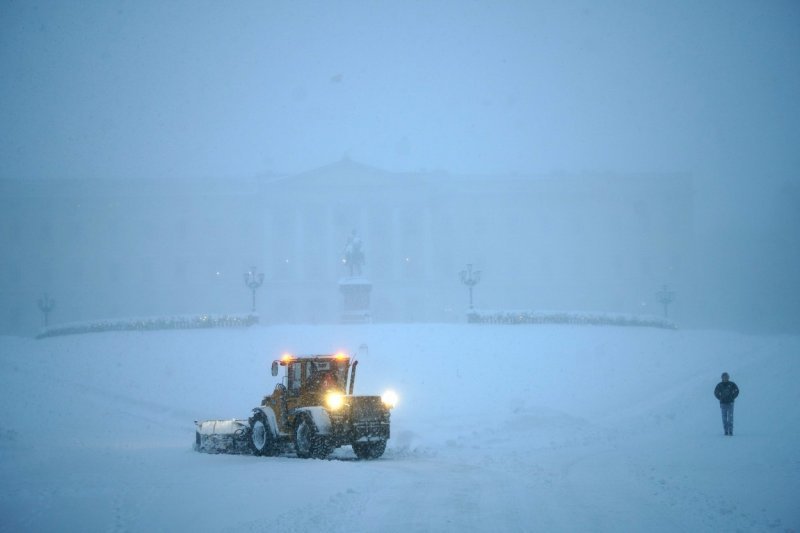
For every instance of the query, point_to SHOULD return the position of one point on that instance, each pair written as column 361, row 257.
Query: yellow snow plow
column 311, row 411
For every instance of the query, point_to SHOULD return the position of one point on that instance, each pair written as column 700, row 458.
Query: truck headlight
column 389, row 399
column 334, row 400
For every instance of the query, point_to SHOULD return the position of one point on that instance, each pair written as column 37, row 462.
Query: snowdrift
column 498, row 428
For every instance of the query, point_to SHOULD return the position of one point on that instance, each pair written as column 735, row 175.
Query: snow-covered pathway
column 498, row 429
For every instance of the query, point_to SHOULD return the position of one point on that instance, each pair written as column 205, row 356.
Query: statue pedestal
column 355, row 299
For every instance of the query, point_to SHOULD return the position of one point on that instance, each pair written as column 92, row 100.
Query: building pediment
column 347, row 175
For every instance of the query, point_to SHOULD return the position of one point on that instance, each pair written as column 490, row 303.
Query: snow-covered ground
column 499, row 428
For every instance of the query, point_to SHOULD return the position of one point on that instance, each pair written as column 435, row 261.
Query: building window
column 642, row 212
column 115, row 272
column 181, row 270
column 183, row 231
column 644, row 266
column 14, row 319
column 46, row 232
column 147, row 272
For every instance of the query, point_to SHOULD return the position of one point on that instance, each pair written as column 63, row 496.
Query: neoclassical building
column 117, row 249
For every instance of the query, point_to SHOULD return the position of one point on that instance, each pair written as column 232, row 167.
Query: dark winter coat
column 726, row 391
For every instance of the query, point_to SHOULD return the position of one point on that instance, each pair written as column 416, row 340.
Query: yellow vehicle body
column 313, row 408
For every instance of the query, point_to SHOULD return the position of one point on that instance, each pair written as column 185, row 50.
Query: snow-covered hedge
column 150, row 324
column 564, row 317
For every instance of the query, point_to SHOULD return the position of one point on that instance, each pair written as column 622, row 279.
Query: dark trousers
column 727, row 417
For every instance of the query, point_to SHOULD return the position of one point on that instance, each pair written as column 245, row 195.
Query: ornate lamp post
column 46, row 304
column 470, row 278
column 253, row 282
column 665, row 297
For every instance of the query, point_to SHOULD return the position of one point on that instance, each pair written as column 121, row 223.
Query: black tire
column 262, row 440
column 369, row 450
column 197, row 441
column 308, row 442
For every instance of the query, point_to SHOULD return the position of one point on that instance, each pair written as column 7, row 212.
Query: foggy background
column 202, row 90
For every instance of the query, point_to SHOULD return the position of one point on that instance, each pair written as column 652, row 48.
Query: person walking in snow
column 726, row 392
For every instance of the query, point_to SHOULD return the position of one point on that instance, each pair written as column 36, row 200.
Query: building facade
column 111, row 249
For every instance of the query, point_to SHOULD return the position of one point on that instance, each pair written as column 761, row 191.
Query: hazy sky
column 118, row 89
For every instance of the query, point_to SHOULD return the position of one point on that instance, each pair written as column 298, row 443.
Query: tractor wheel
column 262, row 442
column 308, row 442
column 369, row 450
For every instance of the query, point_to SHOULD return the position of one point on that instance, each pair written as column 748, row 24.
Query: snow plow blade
column 222, row 436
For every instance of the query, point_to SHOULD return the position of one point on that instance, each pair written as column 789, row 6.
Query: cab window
column 341, row 374
column 295, row 377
